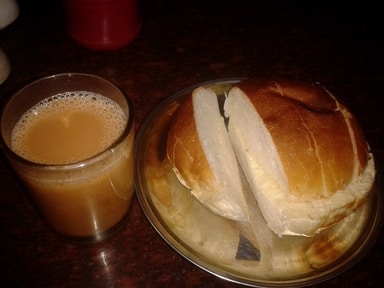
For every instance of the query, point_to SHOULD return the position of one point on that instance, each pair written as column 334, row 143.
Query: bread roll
column 200, row 151
column 302, row 152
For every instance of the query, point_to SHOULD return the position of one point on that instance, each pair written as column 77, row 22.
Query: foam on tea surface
column 68, row 127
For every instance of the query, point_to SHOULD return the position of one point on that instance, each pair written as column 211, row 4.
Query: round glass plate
column 242, row 252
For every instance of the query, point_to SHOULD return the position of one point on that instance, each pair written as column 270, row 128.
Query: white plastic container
column 9, row 11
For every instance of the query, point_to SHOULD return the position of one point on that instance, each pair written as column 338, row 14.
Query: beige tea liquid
column 75, row 129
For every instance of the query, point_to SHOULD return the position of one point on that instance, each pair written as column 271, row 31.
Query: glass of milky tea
column 69, row 138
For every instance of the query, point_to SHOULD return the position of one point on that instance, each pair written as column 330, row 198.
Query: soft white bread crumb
column 203, row 158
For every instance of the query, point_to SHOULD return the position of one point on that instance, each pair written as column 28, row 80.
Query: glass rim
column 77, row 164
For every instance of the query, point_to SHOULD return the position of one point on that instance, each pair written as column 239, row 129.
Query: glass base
column 99, row 237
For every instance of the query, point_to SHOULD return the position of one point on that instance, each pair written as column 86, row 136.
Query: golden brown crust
column 313, row 138
column 361, row 145
column 185, row 151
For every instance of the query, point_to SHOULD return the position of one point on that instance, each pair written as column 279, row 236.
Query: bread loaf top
column 319, row 142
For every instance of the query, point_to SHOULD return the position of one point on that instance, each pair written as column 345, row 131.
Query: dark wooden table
column 182, row 43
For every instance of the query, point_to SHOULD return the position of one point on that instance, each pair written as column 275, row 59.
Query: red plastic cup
column 102, row 24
